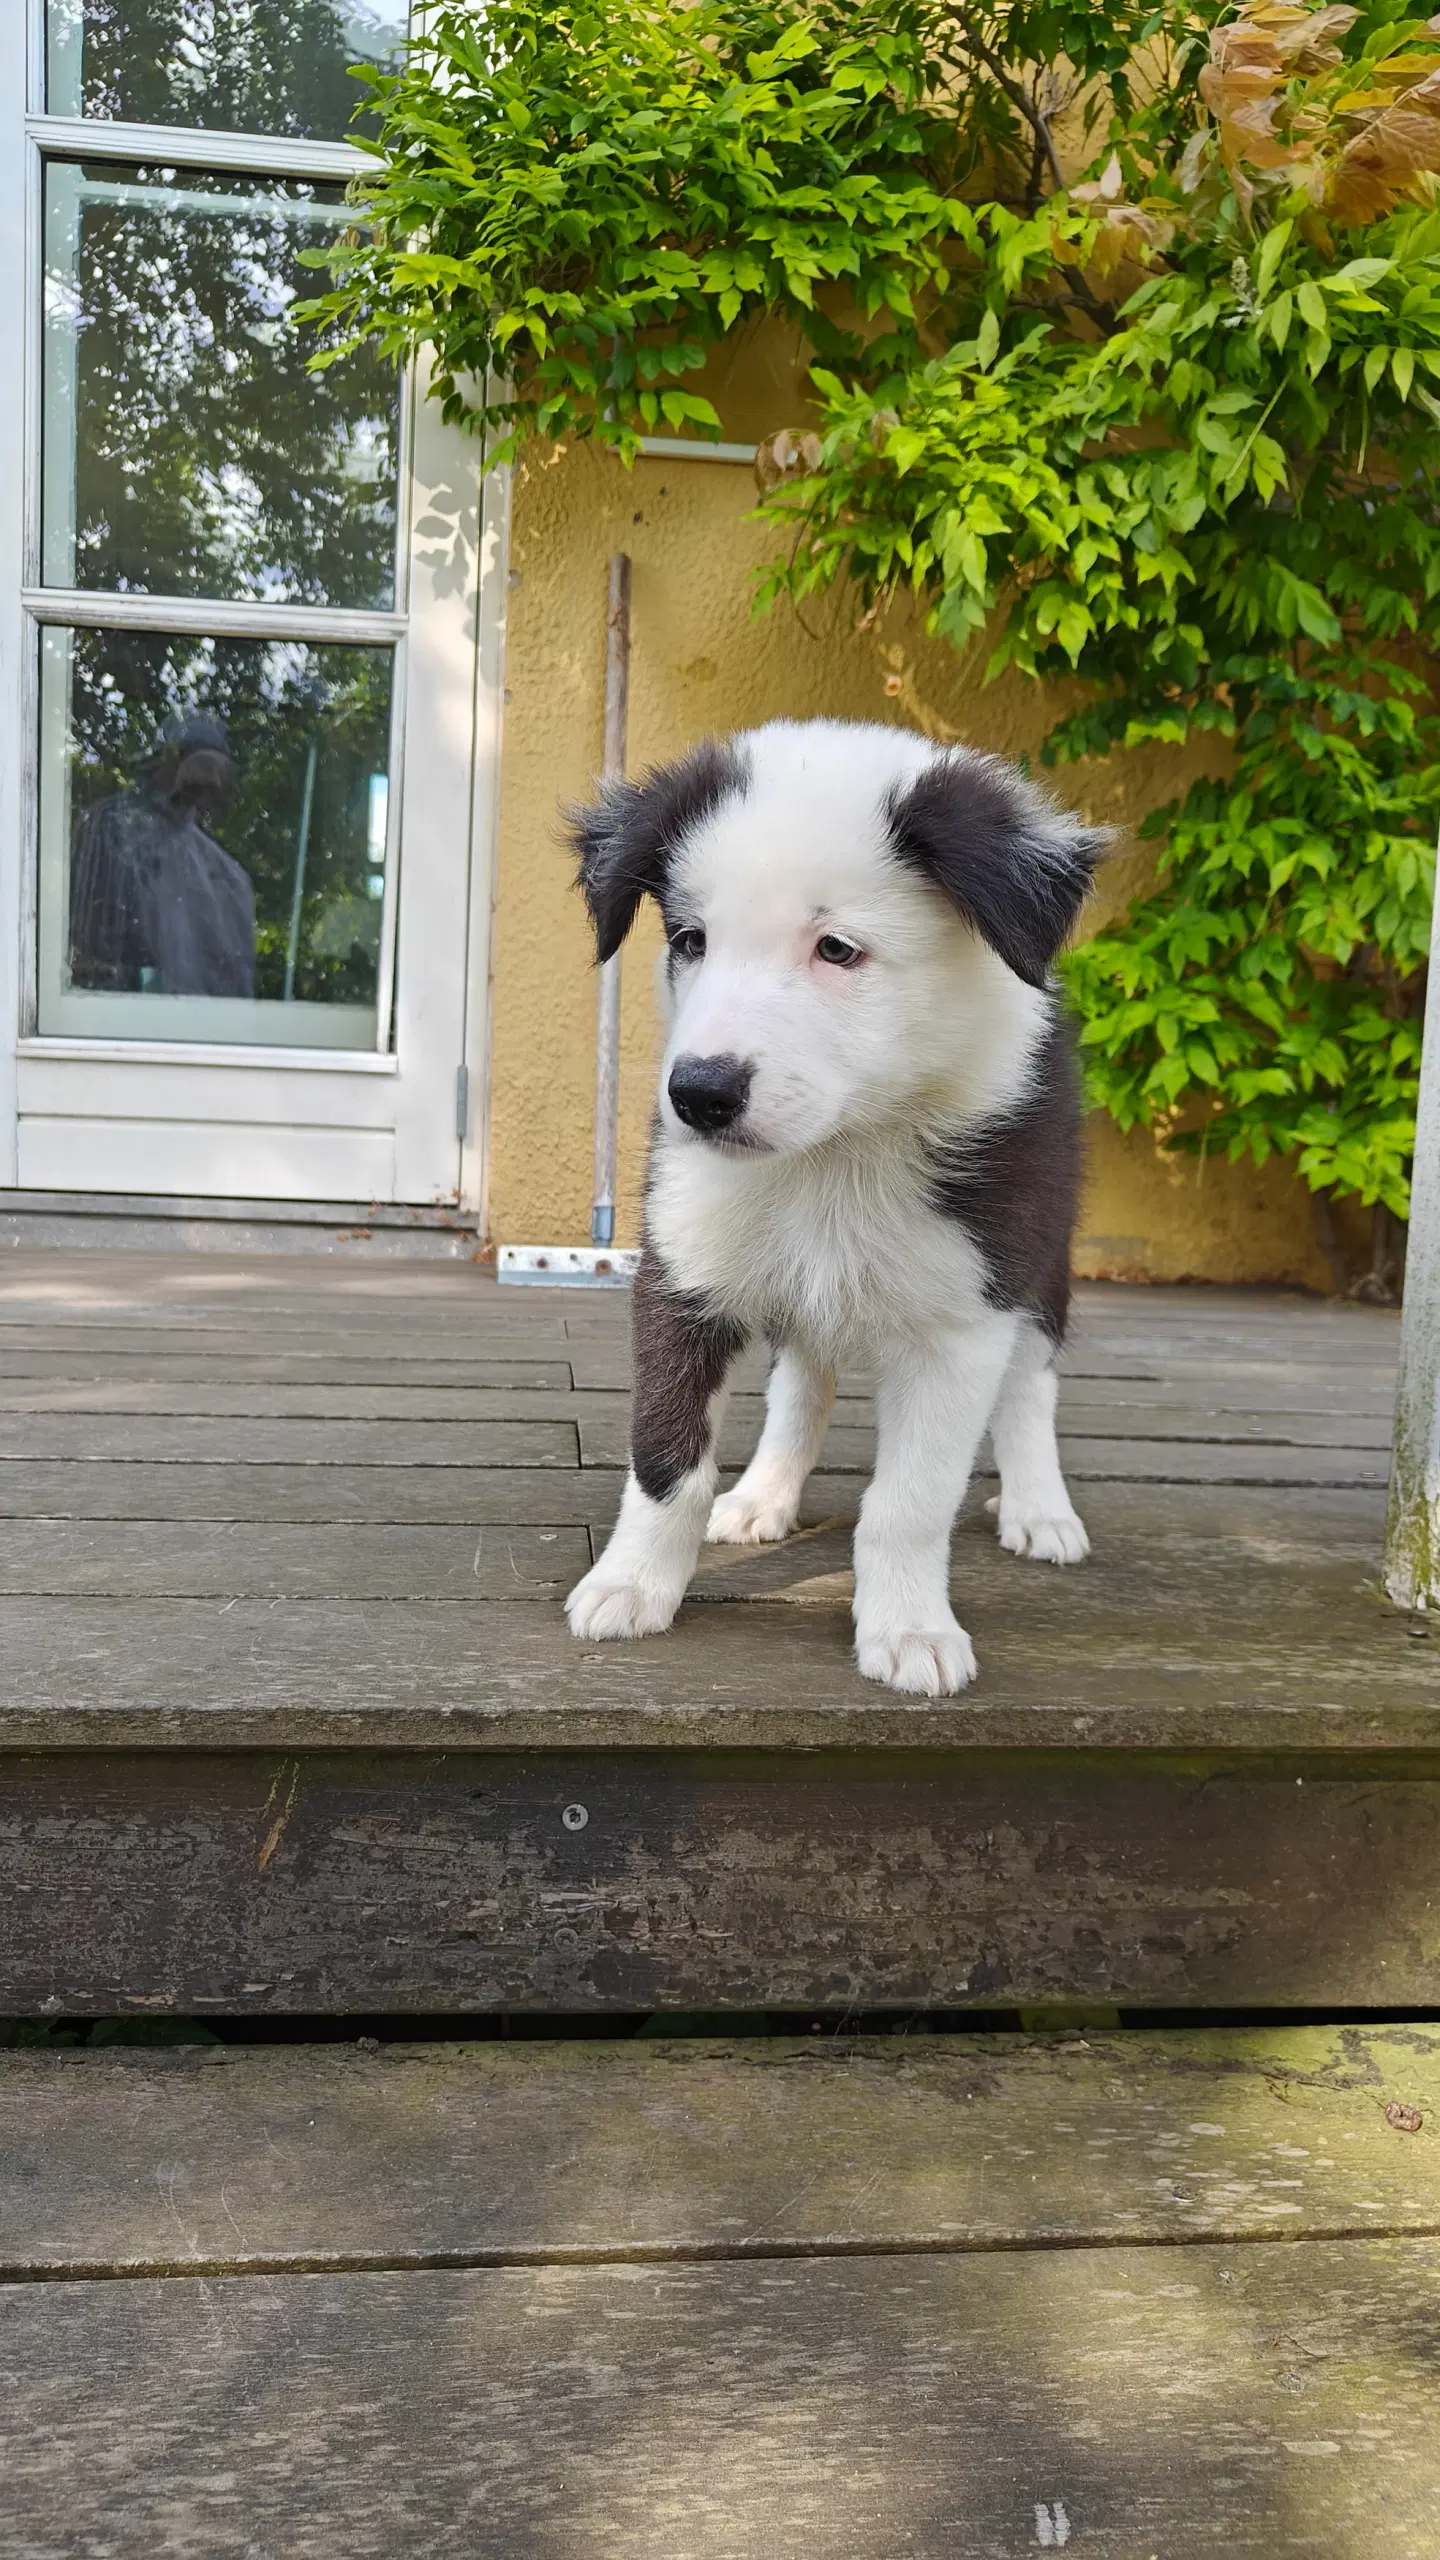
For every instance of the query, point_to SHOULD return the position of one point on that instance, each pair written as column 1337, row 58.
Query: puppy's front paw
column 922, row 1662
column 601, row 1607
column 742, row 1519
column 1056, row 1538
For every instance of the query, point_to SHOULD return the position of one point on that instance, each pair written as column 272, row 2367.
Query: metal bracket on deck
column 567, row 1266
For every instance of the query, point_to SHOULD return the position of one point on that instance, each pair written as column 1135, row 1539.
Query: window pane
column 213, row 821
column 231, row 66
column 187, row 449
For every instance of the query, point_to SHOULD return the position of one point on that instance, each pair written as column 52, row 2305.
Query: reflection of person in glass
column 155, row 902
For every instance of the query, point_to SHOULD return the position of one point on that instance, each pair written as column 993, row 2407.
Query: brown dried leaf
column 1377, row 169
column 1226, row 87
column 787, row 456
column 1192, row 161
column 1125, row 232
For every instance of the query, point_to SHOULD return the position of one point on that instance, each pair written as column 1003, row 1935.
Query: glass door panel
column 214, row 821
column 187, row 449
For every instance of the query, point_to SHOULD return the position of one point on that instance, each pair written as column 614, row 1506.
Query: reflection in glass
column 214, row 822
column 229, row 66
column 187, row 451
column 154, row 900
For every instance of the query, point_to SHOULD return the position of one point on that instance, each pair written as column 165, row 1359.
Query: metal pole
column 1412, row 1535
column 607, row 1026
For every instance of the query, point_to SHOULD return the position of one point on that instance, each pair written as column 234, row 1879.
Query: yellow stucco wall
column 701, row 662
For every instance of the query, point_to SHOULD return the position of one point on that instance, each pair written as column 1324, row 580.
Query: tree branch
column 1014, row 90
column 1044, row 147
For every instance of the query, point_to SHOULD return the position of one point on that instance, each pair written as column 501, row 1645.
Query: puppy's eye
column 838, row 951
column 689, row 943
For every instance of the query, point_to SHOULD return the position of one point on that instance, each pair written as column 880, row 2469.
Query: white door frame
column 407, row 1121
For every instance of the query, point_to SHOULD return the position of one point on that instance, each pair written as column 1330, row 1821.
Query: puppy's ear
column 627, row 839
column 1017, row 868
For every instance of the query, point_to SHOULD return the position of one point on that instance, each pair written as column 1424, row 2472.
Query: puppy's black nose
column 710, row 1093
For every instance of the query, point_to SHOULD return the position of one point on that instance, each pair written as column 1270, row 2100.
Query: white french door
column 251, row 699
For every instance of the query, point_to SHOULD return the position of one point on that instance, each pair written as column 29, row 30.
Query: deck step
column 290, row 1719
column 945, row 2298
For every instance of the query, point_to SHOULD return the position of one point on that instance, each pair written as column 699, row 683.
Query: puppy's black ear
column 627, row 839
column 1017, row 868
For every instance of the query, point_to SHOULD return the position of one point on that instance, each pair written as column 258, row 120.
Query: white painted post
column 607, row 1027
column 1412, row 1535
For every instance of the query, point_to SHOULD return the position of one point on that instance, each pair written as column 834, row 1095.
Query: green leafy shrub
column 584, row 200
column 1169, row 428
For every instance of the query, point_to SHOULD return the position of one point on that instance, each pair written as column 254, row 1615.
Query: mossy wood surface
column 215, row 2158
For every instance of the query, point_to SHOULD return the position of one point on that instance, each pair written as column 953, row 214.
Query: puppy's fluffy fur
column 866, row 1151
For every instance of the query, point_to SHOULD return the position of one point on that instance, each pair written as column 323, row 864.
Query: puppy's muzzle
column 710, row 1094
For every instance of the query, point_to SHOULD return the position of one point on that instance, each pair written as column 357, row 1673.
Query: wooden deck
column 947, row 2297
column 291, row 1720
column 290, row 1723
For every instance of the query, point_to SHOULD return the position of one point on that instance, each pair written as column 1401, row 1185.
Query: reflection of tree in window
column 278, row 702
column 207, row 460
column 242, row 66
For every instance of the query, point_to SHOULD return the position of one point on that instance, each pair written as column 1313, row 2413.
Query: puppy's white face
column 813, row 981
column 837, row 901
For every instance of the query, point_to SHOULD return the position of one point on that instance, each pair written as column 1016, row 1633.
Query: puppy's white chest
column 841, row 1252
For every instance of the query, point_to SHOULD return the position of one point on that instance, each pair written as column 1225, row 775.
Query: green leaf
column 1272, row 249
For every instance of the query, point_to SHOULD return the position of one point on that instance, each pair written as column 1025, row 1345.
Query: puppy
column 866, row 1152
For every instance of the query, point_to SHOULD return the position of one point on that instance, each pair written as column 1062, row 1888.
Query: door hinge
column 462, row 1104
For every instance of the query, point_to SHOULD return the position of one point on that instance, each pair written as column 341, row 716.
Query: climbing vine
column 1127, row 366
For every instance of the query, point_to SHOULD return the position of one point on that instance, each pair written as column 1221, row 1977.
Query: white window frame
column 438, row 1159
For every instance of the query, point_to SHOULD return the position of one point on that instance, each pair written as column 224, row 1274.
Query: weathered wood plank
column 1168, row 1459
column 604, row 1426
column 1133, row 2401
column 117, row 1489
column 238, row 1441
column 343, row 1881
column 154, row 1369
column 168, row 1336
column 123, row 1275
column 236, row 2158
column 163, row 1559
column 1208, row 1550
column 1187, row 1409
column 1190, row 1559
column 1089, row 1460
column 607, row 1366
column 1174, row 1651
column 361, row 1401
column 1294, row 1390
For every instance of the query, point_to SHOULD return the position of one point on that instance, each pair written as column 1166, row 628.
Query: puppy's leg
column 682, row 1358
column 1037, row 1517
column 765, row 1502
column 931, row 1407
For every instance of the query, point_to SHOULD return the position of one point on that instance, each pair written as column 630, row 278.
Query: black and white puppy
column 866, row 1152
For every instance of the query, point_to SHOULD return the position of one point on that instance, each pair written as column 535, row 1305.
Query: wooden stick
column 607, row 1026
column 1412, row 1536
